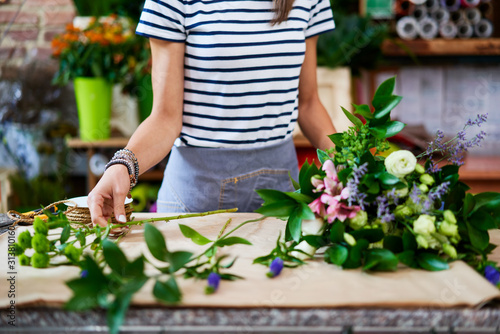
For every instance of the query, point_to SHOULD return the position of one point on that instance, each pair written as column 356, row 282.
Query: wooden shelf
column 442, row 47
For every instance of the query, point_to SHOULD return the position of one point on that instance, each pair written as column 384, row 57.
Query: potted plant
column 94, row 58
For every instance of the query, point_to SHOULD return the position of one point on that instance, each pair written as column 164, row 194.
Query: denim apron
column 199, row 179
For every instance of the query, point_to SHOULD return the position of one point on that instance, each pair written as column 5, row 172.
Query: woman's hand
column 108, row 196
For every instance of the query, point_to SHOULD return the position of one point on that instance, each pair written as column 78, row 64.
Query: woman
column 230, row 79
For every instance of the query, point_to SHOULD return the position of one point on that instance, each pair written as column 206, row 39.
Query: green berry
column 40, row 260
column 40, row 226
column 72, row 253
column 24, row 260
column 18, row 249
column 40, row 243
column 24, row 239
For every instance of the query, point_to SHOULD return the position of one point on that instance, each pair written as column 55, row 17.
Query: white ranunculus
column 400, row 163
column 304, row 247
column 424, row 225
column 358, row 221
column 448, row 229
column 313, row 226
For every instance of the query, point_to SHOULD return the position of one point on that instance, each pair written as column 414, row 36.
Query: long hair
column 281, row 10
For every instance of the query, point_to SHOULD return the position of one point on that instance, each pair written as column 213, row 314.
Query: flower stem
column 189, row 215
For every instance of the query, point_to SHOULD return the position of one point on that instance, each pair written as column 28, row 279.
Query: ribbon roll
column 428, row 28
column 448, row 30
column 432, row 5
column 407, row 28
column 484, row 28
column 457, row 16
column 464, row 29
column 418, row 2
column 470, row 3
column 473, row 15
column 450, row 5
column 419, row 12
column 485, row 8
column 403, row 7
column 441, row 15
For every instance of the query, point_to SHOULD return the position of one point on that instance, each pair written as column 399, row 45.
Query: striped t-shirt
column 241, row 73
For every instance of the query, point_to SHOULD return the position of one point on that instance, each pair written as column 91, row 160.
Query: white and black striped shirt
column 241, row 72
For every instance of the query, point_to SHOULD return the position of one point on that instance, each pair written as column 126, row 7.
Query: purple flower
column 383, row 211
column 84, row 273
column 492, row 274
column 355, row 196
column 213, row 281
column 275, row 267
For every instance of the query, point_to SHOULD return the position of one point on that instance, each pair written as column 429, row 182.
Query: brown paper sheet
column 315, row 285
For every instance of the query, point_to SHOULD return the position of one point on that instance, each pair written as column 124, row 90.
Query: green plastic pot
column 93, row 101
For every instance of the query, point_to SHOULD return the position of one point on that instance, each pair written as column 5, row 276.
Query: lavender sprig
column 356, row 196
column 454, row 149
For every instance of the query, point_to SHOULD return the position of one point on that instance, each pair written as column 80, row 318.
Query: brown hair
column 281, row 10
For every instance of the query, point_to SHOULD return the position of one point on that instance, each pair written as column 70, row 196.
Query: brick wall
column 30, row 32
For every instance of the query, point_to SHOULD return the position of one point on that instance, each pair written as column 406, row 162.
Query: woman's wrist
column 127, row 158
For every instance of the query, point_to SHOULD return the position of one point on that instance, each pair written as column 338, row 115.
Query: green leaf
column 271, row 195
column 491, row 199
column 114, row 257
column 336, row 138
column 363, row 110
column 393, row 243
column 80, row 236
column 388, row 129
column 278, row 209
column 135, row 268
column 65, row 234
column 380, row 260
column 305, row 212
column 478, row 238
column 81, row 303
column 295, row 184
column 386, row 88
column 118, row 308
column 344, row 174
column 316, row 241
column 356, row 254
column 167, row 292
column 384, row 105
column 322, row 156
column 294, row 225
column 337, row 232
column 155, row 242
column 388, row 179
column 482, row 220
column 356, row 121
column 372, row 235
column 232, row 241
column 299, row 197
column 178, row 260
column 431, row 262
column 196, row 237
column 408, row 258
column 337, row 254
column 409, row 241
column 469, row 204
column 306, row 186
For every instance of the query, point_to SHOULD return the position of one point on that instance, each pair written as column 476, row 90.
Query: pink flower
column 318, row 184
column 318, row 207
column 330, row 170
column 341, row 211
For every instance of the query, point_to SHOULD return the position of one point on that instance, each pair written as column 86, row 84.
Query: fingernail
column 122, row 218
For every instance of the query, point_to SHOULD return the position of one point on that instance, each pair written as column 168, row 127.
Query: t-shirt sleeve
column 321, row 18
column 163, row 20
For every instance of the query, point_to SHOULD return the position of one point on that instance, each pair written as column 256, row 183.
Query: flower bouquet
column 360, row 209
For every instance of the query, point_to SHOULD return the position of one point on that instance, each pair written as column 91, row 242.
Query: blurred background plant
column 356, row 40
column 99, row 50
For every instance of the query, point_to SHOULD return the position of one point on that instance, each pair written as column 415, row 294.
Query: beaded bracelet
column 127, row 158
